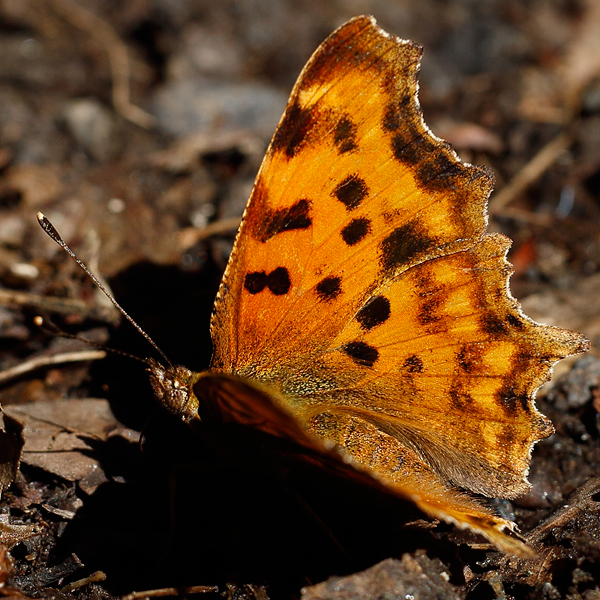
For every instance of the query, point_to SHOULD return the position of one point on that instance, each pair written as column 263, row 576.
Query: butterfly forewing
column 349, row 194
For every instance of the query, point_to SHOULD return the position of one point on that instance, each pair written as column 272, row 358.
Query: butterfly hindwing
column 456, row 369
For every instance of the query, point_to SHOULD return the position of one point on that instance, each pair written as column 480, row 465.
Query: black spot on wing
column 293, row 132
column 432, row 296
column 361, row 353
column 404, row 246
column 345, row 135
column 402, row 120
column 512, row 400
column 432, row 162
column 296, row 216
column 375, row 312
column 427, row 285
column 435, row 166
column 428, row 312
column 441, row 173
column 515, row 322
column 255, row 282
column 412, row 149
column 329, row 288
column 398, row 114
column 463, row 360
column 351, row 191
column 356, row 230
column 279, row 281
column 413, row 364
column 493, row 325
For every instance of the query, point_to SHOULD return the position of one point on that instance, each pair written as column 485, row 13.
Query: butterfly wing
column 363, row 291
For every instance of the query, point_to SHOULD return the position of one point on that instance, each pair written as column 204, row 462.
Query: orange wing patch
column 364, row 306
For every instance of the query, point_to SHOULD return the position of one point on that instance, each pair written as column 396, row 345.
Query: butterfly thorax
column 172, row 388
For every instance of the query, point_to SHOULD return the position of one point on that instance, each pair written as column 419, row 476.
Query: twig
column 97, row 576
column 189, row 236
column 118, row 57
column 44, row 361
column 16, row 299
column 172, row 591
column 526, row 216
column 538, row 165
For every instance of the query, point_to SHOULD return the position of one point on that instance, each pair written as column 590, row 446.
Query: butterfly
column 364, row 314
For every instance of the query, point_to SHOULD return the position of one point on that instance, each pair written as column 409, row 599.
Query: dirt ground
column 135, row 126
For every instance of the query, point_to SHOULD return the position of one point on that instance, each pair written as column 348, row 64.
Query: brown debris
column 117, row 53
column 11, row 444
column 542, row 161
column 44, row 361
column 566, row 536
column 12, row 534
column 56, row 433
column 417, row 577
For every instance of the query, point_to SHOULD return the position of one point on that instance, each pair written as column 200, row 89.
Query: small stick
column 14, row 299
column 97, row 576
column 118, row 58
column 44, row 361
column 536, row 167
column 526, row 216
column 192, row 235
column 172, row 591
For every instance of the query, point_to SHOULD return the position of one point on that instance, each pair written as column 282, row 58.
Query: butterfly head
column 172, row 388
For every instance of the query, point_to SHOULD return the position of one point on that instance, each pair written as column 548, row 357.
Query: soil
column 134, row 126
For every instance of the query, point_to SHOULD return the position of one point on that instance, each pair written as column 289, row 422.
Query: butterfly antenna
column 47, row 226
column 49, row 327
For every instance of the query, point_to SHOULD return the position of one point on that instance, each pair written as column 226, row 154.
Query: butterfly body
column 364, row 313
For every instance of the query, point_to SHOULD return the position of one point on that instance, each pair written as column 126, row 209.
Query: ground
column 135, row 126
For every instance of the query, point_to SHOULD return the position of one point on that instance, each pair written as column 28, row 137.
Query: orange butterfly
column 365, row 313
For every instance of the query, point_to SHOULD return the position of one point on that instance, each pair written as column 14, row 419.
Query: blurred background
column 132, row 124
column 135, row 126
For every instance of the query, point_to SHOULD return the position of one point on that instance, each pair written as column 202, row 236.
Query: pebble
column 194, row 106
column 93, row 126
